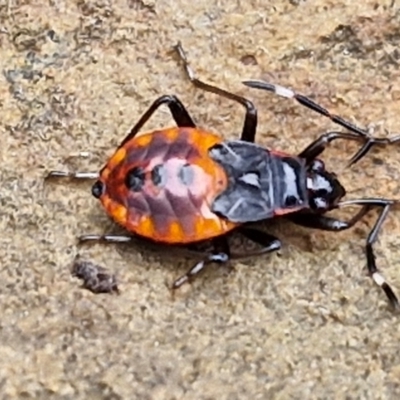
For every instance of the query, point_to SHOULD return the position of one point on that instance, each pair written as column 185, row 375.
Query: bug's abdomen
column 161, row 185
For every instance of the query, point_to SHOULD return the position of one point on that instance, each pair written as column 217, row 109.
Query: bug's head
column 98, row 189
column 325, row 190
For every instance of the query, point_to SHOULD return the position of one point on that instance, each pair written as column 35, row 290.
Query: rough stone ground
column 305, row 324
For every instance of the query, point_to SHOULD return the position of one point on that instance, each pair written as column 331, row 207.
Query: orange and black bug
column 162, row 185
column 184, row 185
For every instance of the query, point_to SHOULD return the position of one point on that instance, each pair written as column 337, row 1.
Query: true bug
column 184, row 185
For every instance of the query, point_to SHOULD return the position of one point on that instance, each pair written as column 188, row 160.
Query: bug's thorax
column 325, row 190
column 262, row 183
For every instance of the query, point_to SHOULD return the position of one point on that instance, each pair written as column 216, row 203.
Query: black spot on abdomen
column 158, row 175
column 135, row 179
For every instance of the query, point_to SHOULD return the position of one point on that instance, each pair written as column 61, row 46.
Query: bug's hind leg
column 268, row 242
column 105, row 238
column 178, row 111
column 307, row 102
column 219, row 255
column 250, row 121
column 222, row 253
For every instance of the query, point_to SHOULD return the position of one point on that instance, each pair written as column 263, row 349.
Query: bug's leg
column 314, row 149
column 307, row 102
column 73, row 175
column 325, row 223
column 179, row 113
column 250, row 121
column 367, row 146
column 105, row 238
column 220, row 255
column 373, row 271
column 377, row 277
column 222, row 252
column 332, row 224
column 268, row 242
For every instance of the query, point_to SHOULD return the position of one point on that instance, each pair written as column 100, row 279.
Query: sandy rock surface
column 306, row 323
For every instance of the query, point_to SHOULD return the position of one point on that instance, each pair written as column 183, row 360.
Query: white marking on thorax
column 318, row 182
column 215, row 152
column 251, row 178
column 291, row 188
column 238, row 203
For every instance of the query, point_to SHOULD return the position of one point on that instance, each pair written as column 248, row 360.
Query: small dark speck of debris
column 53, row 36
column 95, row 278
column 377, row 161
column 295, row 2
column 249, row 60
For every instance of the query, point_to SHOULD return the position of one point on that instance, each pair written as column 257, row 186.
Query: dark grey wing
column 261, row 183
column 249, row 196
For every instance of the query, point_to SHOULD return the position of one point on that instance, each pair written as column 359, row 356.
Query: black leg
column 80, row 175
column 322, row 222
column 179, row 114
column 307, row 102
column 371, row 262
column 373, row 271
column 250, row 122
column 366, row 147
column 105, row 238
column 331, row 224
column 178, row 111
column 268, row 242
column 319, row 145
column 220, row 255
